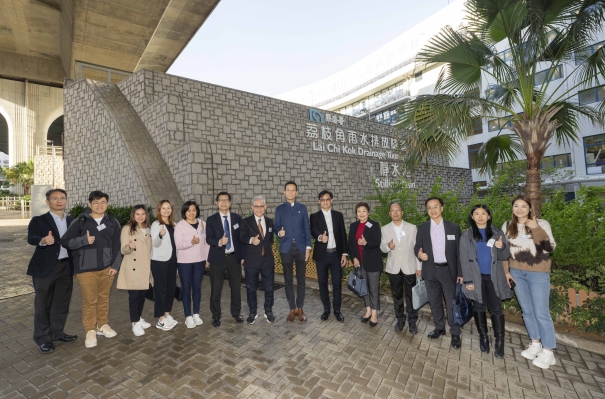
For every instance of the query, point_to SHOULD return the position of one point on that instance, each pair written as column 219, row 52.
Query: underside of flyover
column 3, row 135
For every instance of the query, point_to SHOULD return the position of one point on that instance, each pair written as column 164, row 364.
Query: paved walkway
column 317, row 359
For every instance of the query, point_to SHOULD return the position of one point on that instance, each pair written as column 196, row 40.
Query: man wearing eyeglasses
column 328, row 229
column 438, row 247
column 95, row 239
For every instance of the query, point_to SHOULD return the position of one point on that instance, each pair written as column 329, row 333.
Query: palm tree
column 22, row 173
column 541, row 35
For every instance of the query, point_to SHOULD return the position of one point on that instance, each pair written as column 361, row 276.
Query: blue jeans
column 533, row 293
column 191, row 280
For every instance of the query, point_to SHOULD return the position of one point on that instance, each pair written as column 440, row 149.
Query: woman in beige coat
column 135, row 271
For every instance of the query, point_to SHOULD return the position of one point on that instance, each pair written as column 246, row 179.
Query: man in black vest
column 52, row 272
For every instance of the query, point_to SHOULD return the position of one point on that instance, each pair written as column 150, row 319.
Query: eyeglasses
column 258, row 206
column 430, row 208
column 325, row 199
column 97, row 203
column 223, row 200
column 58, row 199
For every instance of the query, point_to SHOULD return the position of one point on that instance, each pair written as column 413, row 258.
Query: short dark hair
column 222, row 193
column 186, row 206
column 433, row 198
column 324, row 192
column 291, row 182
column 97, row 195
column 55, row 190
column 364, row 204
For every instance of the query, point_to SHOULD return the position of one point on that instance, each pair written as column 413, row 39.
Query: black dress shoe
column 325, row 315
column 339, row 317
column 47, row 347
column 399, row 326
column 373, row 323
column 216, row 322
column 365, row 319
column 239, row 318
column 413, row 329
column 68, row 338
column 456, row 342
column 436, row 334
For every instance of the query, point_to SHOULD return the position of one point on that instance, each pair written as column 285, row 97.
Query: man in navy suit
column 52, row 272
column 257, row 237
column 292, row 227
column 225, row 254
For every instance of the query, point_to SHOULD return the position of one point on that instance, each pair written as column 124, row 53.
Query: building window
column 592, row 95
column 588, row 51
column 477, row 125
column 418, row 76
column 556, row 161
column 499, row 123
column 548, row 75
column 594, row 150
column 472, row 152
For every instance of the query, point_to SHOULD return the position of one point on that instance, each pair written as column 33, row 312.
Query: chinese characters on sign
column 389, row 174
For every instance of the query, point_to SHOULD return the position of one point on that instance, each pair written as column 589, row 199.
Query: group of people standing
column 487, row 262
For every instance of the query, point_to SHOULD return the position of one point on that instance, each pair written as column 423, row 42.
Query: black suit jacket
column 319, row 225
column 45, row 258
column 253, row 253
column 372, row 255
column 452, row 249
column 214, row 233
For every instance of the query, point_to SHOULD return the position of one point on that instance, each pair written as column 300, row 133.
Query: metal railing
column 14, row 203
column 49, row 150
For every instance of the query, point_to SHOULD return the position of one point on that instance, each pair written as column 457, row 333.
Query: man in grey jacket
column 95, row 239
column 398, row 240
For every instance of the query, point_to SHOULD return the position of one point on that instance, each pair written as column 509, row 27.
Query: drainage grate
column 6, row 240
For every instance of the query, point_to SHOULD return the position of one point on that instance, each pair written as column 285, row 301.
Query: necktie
column 262, row 237
column 227, row 232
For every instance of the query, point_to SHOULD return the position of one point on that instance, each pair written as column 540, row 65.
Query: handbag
column 419, row 295
column 357, row 283
column 178, row 293
column 150, row 294
column 462, row 307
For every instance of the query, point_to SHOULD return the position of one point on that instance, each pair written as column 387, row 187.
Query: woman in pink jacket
column 191, row 255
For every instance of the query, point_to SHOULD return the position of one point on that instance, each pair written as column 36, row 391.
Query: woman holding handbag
column 483, row 247
column 191, row 255
column 163, row 265
column 135, row 271
column 364, row 249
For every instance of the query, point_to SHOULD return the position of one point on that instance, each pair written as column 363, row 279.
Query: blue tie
column 227, row 231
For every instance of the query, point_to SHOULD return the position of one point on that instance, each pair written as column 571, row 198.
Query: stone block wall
column 49, row 171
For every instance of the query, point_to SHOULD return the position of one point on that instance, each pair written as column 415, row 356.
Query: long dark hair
column 488, row 228
column 133, row 223
column 512, row 230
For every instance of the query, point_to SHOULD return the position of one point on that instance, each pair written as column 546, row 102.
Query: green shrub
column 590, row 316
column 121, row 213
column 559, row 303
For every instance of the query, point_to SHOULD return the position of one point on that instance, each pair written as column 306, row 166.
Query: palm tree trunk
column 533, row 181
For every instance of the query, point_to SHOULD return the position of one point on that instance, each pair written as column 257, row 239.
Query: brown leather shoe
column 291, row 316
column 301, row 316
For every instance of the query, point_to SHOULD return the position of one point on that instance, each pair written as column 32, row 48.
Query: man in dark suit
column 225, row 254
column 52, row 272
column 257, row 237
column 438, row 247
column 328, row 228
column 292, row 228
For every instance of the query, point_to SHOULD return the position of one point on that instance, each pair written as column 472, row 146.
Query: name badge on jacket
column 451, row 237
column 368, row 225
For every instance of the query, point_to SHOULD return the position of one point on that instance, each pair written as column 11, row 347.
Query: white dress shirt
column 263, row 225
column 61, row 223
column 331, row 240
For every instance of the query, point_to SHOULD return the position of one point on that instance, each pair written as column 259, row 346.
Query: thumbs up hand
column 324, row 237
column 132, row 245
column 224, row 240
column 49, row 239
column 422, row 256
column 195, row 240
column 281, row 233
column 90, row 238
column 255, row 240
column 163, row 231
column 499, row 244
column 362, row 241
column 392, row 244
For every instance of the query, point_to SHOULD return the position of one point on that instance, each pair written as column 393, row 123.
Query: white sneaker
column 91, row 339
column 163, row 325
column 137, row 329
column 197, row 319
column 189, row 322
column 106, row 331
column 545, row 359
column 143, row 323
column 532, row 351
column 171, row 321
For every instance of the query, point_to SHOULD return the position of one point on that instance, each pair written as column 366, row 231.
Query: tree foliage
column 22, row 173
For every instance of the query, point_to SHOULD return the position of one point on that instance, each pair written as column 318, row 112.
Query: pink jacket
column 186, row 252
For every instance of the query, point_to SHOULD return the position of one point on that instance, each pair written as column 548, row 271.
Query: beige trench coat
column 135, row 271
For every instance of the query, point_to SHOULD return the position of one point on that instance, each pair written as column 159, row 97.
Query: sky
column 269, row 47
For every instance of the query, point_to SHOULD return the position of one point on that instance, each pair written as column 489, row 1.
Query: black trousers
column 287, row 260
column 489, row 297
column 51, row 303
column 267, row 273
column 330, row 263
column 401, row 285
column 164, row 285
column 136, row 301
column 217, row 278
column 438, row 287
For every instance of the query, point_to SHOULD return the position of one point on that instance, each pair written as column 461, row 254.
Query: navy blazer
column 253, row 253
column 319, row 225
column 452, row 249
column 372, row 255
column 214, row 233
column 295, row 221
column 45, row 258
